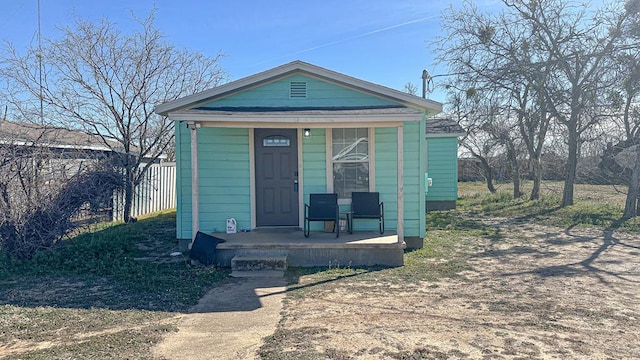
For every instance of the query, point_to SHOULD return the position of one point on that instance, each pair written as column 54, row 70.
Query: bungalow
column 256, row 148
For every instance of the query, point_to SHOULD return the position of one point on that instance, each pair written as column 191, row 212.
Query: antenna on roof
column 40, row 65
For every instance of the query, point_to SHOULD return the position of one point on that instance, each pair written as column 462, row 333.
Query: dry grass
column 597, row 194
column 533, row 282
column 113, row 293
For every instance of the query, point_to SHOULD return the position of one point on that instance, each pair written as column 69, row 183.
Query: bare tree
column 492, row 54
column 630, row 80
column 623, row 159
column 106, row 82
column 552, row 56
column 411, row 88
column 480, row 143
column 581, row 47
column 503, row 129
column 533, row 120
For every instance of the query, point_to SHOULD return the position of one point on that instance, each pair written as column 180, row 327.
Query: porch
column 362, row 248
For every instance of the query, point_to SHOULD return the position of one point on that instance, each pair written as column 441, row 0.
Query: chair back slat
column 323, row 206
column 365, row 203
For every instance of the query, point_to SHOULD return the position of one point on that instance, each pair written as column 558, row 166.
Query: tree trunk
column 128, row 194
column 631, row 204
column 516, row 184
column 515, row 169
column 572, row 164
column 537, row 179
column 488, row 174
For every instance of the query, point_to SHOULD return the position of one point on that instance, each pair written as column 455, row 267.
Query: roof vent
column 298, row 90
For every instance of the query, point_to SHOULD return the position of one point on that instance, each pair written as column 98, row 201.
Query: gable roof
column 299, row 67
column 28, row 134
column 439, row 126
column 32, row 134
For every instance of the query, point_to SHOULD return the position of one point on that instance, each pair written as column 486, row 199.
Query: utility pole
column 40, row 65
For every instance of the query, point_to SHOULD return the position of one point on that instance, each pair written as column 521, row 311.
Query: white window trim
column 329, row 162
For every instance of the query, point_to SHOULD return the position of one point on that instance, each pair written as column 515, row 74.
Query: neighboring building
column 64, row 143
column 263, row 143
column 69, row 143
column 442, row 162
column 64, row 152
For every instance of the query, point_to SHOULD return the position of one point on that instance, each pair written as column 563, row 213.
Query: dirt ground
column 533, row 292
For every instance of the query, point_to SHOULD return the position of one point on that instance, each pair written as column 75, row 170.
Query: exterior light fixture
column 306, row 132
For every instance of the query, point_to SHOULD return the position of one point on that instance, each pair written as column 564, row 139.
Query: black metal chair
column 322, row 207
column 367, row 205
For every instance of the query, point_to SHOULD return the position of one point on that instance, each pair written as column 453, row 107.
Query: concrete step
column 261, row 252
column 258, row 262
column 257, row 273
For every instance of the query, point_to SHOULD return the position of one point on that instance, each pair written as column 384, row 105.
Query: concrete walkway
column 229, row 322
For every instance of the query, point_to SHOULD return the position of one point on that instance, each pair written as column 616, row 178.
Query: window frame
column 329, row 160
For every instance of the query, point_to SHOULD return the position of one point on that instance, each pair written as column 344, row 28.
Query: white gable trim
column 291, row 68
column 311, row 119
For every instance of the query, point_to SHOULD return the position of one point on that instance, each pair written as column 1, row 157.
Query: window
column 350, row 159
column 276, row 140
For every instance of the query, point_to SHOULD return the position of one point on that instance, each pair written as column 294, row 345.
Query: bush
column 34, row 219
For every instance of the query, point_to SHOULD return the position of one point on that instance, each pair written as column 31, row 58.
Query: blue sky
column 382, row 41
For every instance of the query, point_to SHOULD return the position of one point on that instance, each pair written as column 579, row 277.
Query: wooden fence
column 157, row 191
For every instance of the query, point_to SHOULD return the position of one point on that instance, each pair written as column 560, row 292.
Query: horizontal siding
column 386, row 140
column 319, row 94
column 411, row 172
column 314, row 167
column 225, row 187
column 224, row 179
column 443, row 168
column 183, row 225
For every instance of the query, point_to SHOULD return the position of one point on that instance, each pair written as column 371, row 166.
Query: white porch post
column 195, row 182
column 400, row 184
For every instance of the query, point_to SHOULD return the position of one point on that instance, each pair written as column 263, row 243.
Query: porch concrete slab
column 362, row 248
column 287, row 239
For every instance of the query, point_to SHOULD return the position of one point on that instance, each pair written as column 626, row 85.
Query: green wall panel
column 414, row 217
column 319, row 94
column 443, row 168
column 314, row 167
column 386, row 141
column 224, row 179
column 177, row 129
column 225, row 187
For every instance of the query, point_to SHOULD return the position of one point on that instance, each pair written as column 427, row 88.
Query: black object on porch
column 204, row 248
column 322, row 207
column 367, row 205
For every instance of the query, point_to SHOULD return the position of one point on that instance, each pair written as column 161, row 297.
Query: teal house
column 442, row 162
column 254, row 149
